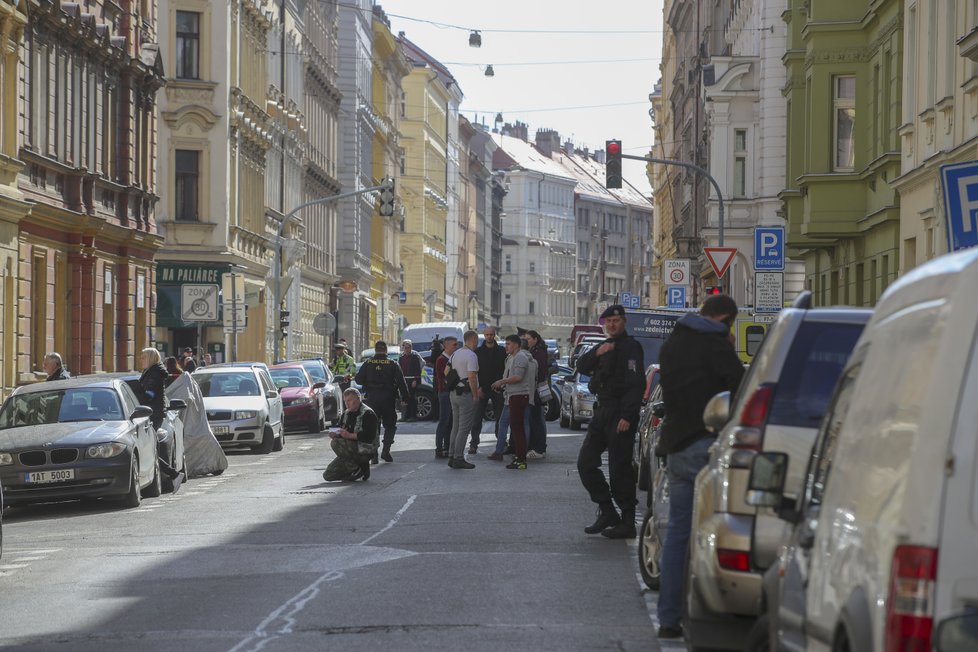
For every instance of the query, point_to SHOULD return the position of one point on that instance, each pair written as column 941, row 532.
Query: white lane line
column 33, row 551
column 10, row 567
column 286, row 614
column 34, row 558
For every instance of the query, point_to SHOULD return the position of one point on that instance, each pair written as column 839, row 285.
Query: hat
column 381, row 345
column 520, row 331
column 613, row 311
column 188, row 349
column 339, row 345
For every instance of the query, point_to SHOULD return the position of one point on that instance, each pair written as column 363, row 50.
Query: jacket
column 60, row 374
column 412, row 365
column 152, row 383
column 343, row 365
column 382, row 380
column 492, row 362
column 539, row 353
column 440, row 365
column 618, row 375
column 696, row 363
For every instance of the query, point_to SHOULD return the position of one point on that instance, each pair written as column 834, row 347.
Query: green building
column 844, row 87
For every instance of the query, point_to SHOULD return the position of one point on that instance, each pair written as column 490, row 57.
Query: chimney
column 519, row 130
column 548, row 142
column 568, row 148
column 599, row 155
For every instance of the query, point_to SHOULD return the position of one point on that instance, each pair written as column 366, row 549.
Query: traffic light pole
column 694, row 168
column 278, row 246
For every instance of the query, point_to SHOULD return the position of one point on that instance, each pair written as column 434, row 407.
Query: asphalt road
column 270, row 557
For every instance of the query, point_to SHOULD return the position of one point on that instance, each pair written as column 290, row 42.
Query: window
column 533, row 267
column 508, row 305
column 844, row 105
column 403, row 166
column 825, row 444
column 509, row 266
column 403, row 104
column 740, row 163
column 188, row 45
column 187, row 185
column 533, row 307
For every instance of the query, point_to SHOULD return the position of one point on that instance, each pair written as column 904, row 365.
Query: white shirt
column 463, row 361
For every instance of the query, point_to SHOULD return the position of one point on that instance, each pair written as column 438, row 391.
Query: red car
column 302, row 398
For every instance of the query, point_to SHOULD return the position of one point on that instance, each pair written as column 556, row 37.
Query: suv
column 243, row 406
column 779, row 406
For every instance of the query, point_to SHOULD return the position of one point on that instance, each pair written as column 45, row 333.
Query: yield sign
column 720, row 258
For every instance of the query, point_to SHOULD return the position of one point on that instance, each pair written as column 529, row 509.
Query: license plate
column 221, row 430
column 44, row 477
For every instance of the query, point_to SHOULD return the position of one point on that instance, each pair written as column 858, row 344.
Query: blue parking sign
column 676, row 296
column 769, row 248
column 960, row 185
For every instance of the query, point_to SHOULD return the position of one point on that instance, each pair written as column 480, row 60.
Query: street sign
column 629, row 300
column 198, row 302
column 769, row 248
column 235, row 320
column 960, row 183
column 324, row 323
column 720, row 258
column 676, row 296
column 768, row 291
column 676, row 271
column 233, row 288
column 402, row 296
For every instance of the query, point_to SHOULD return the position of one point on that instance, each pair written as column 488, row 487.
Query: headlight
column 245, row 414
column 302, row 401
column 583, row 395
column 105, row 450
column 6, row 458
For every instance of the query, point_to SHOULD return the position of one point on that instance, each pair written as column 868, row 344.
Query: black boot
column 365, row 471
column 374, row 459
column 625, row 529
column 607, row 517
column 386, row 453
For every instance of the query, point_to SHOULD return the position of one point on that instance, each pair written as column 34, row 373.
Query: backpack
column 452, row 378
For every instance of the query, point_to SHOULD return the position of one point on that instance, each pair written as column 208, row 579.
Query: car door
column 274, row 404
column 144, row 435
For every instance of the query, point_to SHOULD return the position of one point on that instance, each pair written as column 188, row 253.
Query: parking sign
column 960, row 184
column 769, row 248
column 676, row 296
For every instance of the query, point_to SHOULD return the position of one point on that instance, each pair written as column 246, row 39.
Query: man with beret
column 343, row 366
column 616, row 368
column 382, row 382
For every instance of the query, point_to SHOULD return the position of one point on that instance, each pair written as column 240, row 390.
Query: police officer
column 382, row 382
column 343, row 367
column 617, row 379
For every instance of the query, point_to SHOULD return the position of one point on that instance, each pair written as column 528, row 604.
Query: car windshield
column 290, row 378
column 61, row 406
column 583, row 379
column 234, row 383
column 315, row 370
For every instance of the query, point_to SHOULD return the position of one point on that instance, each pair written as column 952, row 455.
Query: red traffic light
column 713, row 290
column 614, row 147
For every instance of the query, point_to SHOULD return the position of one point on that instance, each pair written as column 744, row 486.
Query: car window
column 266, row 381
column 61, row 406
column 129, row 397
column 316, row 369
column 818, row 354
column 583, row 379
column 824, row 449
column 233, row 383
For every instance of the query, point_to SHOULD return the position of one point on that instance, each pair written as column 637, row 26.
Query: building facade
column 87, row 82
column 842, row 210
column 938, row 125
column 488, row 243
column 215, row 133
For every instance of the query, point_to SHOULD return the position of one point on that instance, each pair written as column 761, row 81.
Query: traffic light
column 612, row 166
column 713, row 289
column 387, row 198
column 283, row 322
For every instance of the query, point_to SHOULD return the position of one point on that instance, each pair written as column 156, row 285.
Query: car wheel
column 564, row 421
column 134, row 497
column 575, row 424
column 155, row 488
column 318, row 424
column 758, row 640
column 490, row 413
column 553, row 410
column 267, row 441
column 280, row 440
column 422, row 401
column 650, row 552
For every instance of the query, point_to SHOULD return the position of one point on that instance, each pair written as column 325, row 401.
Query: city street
column 268, row 556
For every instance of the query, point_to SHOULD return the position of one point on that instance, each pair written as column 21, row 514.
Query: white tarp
column 204, row 453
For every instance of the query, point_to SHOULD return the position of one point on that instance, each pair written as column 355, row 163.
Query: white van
column 422, row 334
column 892, row 482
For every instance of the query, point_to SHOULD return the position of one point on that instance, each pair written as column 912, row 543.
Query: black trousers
column 480, row 414
column 385, row 407
column 602, row 435
column 411, row 407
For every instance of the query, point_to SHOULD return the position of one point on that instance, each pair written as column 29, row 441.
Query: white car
column 890, row 504
column 243, row 406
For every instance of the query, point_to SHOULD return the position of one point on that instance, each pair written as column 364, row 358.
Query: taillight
column 655, row 421
column 735, row 560
column 755, row 412
column 910, row 607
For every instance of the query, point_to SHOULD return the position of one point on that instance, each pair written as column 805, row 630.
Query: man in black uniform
column 616, row 368
column 382, row 382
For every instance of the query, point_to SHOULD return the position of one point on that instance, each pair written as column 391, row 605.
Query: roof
column 99, row 380
column 419, row 57
column 526, row 156
column 590, row 181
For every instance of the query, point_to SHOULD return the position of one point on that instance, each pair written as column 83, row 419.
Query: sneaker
column 533, row 455
column 496, row 457
column 473, row 450
column 670, row 631
column 517, row 464
column 463, row 464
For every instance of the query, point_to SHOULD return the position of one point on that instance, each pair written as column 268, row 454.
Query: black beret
column 613, row 311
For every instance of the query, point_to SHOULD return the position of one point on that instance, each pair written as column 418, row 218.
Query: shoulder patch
column 633, row 365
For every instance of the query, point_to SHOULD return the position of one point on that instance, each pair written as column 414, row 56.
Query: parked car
column 576, row 401
column 85, row 437
column 892, row 503
column 585, row 343
column 652, row 467
column 779, row 405
column 302, row 397
column 243, row 406
column 1, row 520
column 331, row 395
column 649, row 423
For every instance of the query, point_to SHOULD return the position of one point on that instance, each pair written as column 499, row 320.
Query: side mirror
column 319, row 386
column 765, row 487
column 659, row 409
column 958, row 633
column 271, row 394
column 141, row 412
column 178, row 404
column 717, row 412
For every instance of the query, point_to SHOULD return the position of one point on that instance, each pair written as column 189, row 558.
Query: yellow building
column 430, row 93
column 13, row 18
column 389, row 67
column 662, row 177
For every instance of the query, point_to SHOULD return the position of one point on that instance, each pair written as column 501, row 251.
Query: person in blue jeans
column 696, row 363
column 444, row 429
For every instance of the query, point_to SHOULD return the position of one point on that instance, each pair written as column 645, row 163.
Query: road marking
column 8, row 567
column 268, row 630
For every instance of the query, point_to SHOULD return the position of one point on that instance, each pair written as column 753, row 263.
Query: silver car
column 576, row 401
column 243, row 406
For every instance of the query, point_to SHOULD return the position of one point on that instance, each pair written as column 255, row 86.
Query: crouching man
column 354, row 442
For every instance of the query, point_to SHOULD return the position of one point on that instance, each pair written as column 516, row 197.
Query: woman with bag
column 354, row 441
column 538, row 409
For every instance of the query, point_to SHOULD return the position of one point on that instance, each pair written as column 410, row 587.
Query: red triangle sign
column 720, row 258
